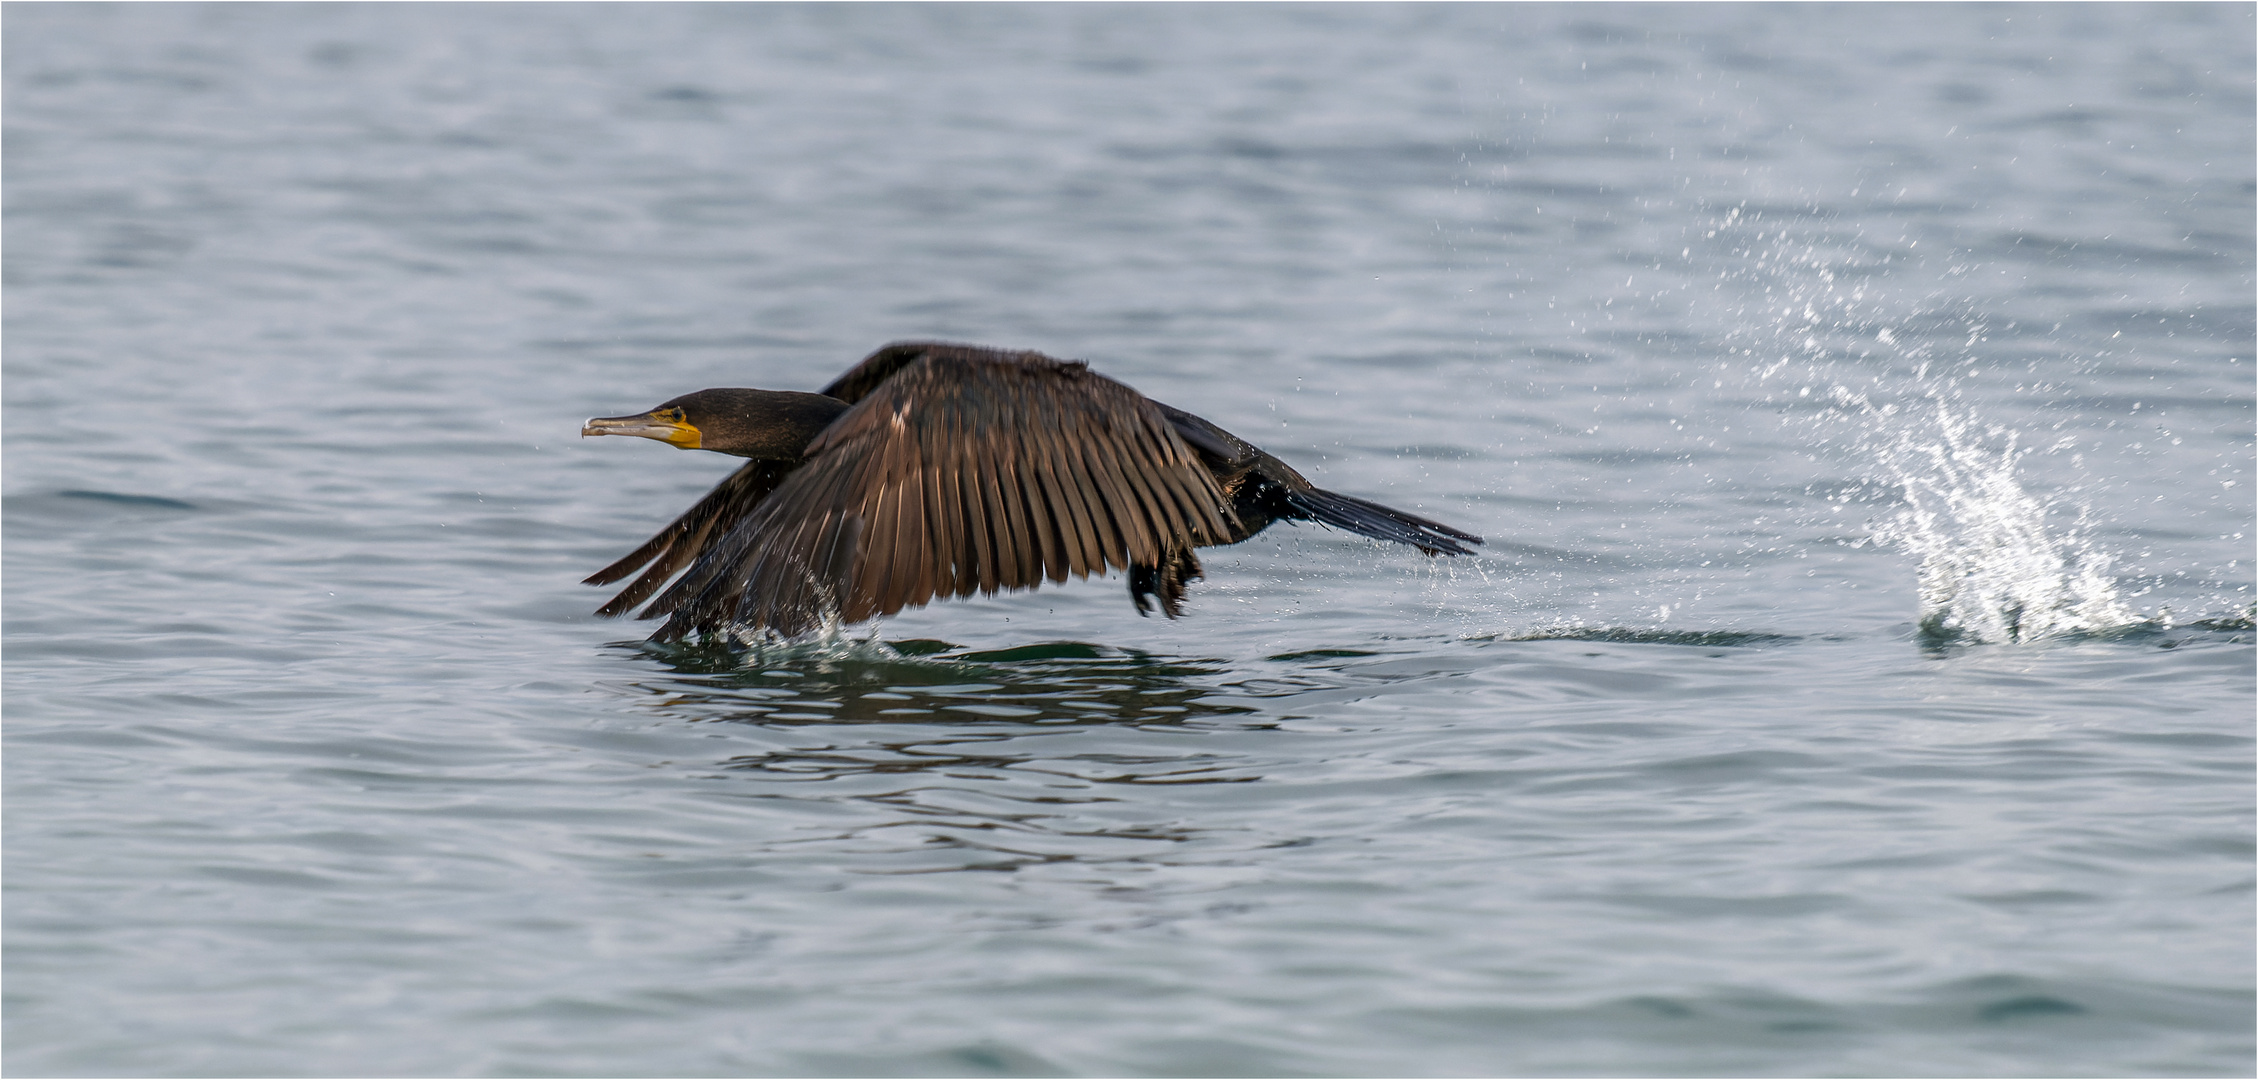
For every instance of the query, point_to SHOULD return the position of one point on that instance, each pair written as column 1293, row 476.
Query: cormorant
column 935, row 470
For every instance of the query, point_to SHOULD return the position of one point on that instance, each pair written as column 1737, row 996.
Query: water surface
column 1858, row 679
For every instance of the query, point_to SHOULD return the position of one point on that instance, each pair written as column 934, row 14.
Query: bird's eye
column 676, row 415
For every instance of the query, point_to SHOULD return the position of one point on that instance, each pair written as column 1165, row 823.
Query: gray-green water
column 1859, row 678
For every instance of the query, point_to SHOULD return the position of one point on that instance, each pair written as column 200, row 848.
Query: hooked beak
column 665, row 425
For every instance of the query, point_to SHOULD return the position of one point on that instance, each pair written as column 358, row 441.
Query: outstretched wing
column 965, row 470
column 858, row 381
column 714, row 516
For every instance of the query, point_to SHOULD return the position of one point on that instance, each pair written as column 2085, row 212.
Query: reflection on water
column 955, row 759
column 872, row 681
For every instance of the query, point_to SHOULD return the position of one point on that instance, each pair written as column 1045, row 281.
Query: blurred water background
column 1858, row 680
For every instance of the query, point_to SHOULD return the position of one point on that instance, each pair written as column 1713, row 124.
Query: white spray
column 1990, row 571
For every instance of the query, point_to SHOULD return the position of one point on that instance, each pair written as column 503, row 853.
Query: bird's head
column 766, row 424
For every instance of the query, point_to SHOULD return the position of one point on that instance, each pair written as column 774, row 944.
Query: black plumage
column 934, row 470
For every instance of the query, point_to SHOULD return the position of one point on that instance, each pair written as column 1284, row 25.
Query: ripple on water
column 316, row 763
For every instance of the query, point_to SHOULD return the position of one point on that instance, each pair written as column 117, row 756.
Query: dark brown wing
column 964, row 471
column 729, row 503
column 882, row 365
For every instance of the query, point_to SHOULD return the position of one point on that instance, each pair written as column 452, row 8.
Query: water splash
column 1991, row 571
column 1998, row 564
column 742, row 648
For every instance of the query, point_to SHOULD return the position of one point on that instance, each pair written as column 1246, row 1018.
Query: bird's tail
column 1380, row 522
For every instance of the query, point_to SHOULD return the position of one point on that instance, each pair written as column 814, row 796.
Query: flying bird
column 936, row 470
